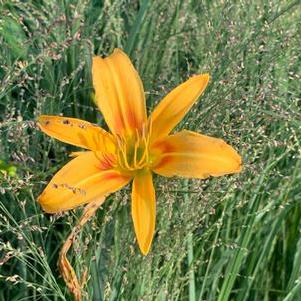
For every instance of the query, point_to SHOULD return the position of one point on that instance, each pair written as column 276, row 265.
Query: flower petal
column 80, row 181
column 119, row 92
column 77, row 132
column 144, row 210
column 173, row 107
column 193, row 155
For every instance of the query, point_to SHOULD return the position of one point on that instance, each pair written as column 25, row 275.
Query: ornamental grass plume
column 136, row 147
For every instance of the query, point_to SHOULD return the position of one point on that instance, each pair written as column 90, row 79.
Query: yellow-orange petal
column 119, row 93
column 77, row 132
column 80, row 181
column 192, row 155
column 144, row 210
column 173, row 107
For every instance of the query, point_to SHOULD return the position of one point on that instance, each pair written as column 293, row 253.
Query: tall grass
column 230, row 238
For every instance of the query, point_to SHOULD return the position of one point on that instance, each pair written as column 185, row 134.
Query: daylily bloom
column 135, row 147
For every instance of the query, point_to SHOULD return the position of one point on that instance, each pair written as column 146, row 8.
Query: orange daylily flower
column 136, row 146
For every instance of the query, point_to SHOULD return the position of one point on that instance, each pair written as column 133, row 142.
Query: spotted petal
column 77, row 132
column 80, row 181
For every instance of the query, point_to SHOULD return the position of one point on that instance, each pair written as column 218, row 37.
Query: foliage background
column 230, row 238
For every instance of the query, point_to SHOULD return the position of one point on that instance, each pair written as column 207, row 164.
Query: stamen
column 146, row 142
column 133, row 151
column 150, row 129
column 124, row 155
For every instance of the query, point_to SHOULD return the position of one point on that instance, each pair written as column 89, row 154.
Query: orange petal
column 192, row 155
column 173, row 107
column 80, row 181
column 119, row 92
column 144, row 210
column 77, row 132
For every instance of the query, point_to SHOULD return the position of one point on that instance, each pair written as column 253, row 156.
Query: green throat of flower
column 133, row 151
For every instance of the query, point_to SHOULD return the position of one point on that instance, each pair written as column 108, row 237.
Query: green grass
column 230, row 238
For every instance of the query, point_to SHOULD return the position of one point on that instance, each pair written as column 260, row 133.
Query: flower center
column 133, row 151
